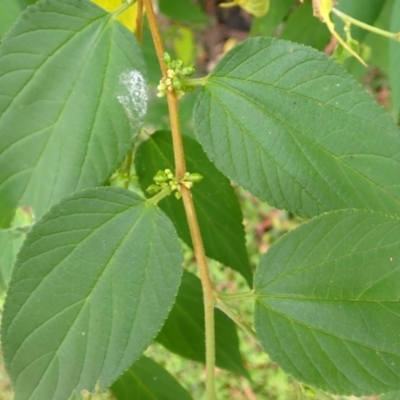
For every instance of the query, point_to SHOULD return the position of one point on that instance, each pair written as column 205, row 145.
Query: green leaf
column 9, row 12
column 395, row 60
column 93, row 284
column 328, row 307
column 218, row 211
column 183, row 331
column 182, row 10
column 147, row 380
column 289, row 124
column 303, row 27
column 72, row 97
column 266, row 25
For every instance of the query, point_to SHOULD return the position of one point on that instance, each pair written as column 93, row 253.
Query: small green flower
column 160, row 177
column 188, row 71
column 195, row 177
column 176, row 83
column 169, row 173
column 153, row 189
column 167, row 58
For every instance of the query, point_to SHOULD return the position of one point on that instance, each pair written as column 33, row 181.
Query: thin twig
column 346, row 18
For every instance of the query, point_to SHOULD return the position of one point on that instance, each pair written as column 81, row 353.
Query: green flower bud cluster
column 165, row 180
column 176, row 76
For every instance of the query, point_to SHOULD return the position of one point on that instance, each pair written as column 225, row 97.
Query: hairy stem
column 159, row 196
column 180, row 169
column 196, row 81
column 236, row 296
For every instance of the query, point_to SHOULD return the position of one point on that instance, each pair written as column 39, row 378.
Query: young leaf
column 147, row 380
column 93, row 284
column 219, row 214
column 183, row 331
column 72, row 97
column 395, row 60
column 290, row 125
column 328, row 307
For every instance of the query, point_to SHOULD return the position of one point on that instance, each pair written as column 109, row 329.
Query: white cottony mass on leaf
column 133, row 96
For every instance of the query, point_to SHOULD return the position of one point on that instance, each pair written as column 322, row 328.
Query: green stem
column 123, row 7
column 235, row 318
column 346, row 18
column 128, row 167
column 196, row 81
column 236, row 296
column 159, row 196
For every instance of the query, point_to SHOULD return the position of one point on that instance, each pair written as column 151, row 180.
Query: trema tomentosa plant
column 99, row 276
